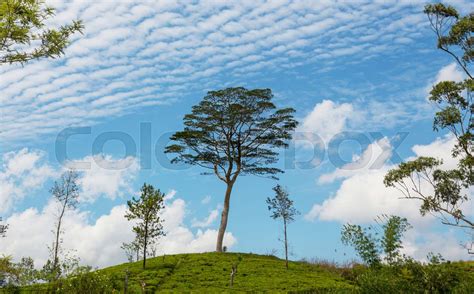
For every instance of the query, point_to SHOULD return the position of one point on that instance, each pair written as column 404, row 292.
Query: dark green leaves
column 146, row 210
column 281, row 206
column 410, row 168
column 234, row 131
column 24, row 35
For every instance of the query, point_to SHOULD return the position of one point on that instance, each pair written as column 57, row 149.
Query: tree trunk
column 224, row 217
column 144, row 245
column 56, row 245
column 286, row 244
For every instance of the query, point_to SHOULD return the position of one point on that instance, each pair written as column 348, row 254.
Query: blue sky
column 362, row 68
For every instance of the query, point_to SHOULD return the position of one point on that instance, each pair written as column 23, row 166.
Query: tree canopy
column 24, row 35
column 146, row 210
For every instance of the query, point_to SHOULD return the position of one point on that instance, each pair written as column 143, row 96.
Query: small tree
column 66, row 194
column 369, row 245
column 393, row 229
column 24, row 35
column 281, row 206
column 363, row 241
column 132, row 250
column 234, row 132
column 28, row 274
column 448, row 189
column 147, row 210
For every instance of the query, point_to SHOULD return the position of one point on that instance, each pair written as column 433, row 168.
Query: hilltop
column 210, row 272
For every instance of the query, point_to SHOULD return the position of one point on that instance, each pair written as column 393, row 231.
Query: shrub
column 414, row 277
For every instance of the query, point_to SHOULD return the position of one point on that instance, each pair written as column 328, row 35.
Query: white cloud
column 326, row 120
column 139, row 53
column 362, row 195
column 170, row 195
column 450, row 72
column 98, row 243
column 373, row 157
column 25, row 172
column 439, row 148
column 207, row 221
column 105, row 176
column 22, row 173
column 206, row 199
column 419, row 243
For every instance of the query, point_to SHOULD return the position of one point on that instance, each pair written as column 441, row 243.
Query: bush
column 90, row 282
column 414, row 277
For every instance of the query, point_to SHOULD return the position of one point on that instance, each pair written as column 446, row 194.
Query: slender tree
column 370, row 246
column 24, row 35
column 66, row 193
column 448, row 189
column 234, row 132
column 281, row 206
column 132, row 250
column 146, row 210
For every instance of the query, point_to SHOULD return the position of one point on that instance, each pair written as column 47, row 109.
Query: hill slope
column 206, row 273
column 211, row 272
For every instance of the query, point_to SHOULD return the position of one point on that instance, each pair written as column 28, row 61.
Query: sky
column 358, row 74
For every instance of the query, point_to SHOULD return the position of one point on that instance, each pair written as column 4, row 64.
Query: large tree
column 146, row 210
column 281, row 206
column 448, row 189
column 24, row 34
column 66, row 193
column 234, row 132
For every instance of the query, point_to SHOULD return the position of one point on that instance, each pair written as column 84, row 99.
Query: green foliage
column 369, row 245
column 393, row 229
column 363, row 241
column 234, row 131
column 24, row 35
column 8, row 271
column 281, row 205
column 414, row 277
column 209, row 273
column 86, row 282
column 460, row 31
column 67, row 266
column 456, row 105
column 27, row 274
column 146, row 210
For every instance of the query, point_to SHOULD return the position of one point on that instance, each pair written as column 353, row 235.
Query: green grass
column 210, row 273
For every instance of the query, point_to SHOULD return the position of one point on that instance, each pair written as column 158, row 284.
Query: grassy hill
column 210, row 272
